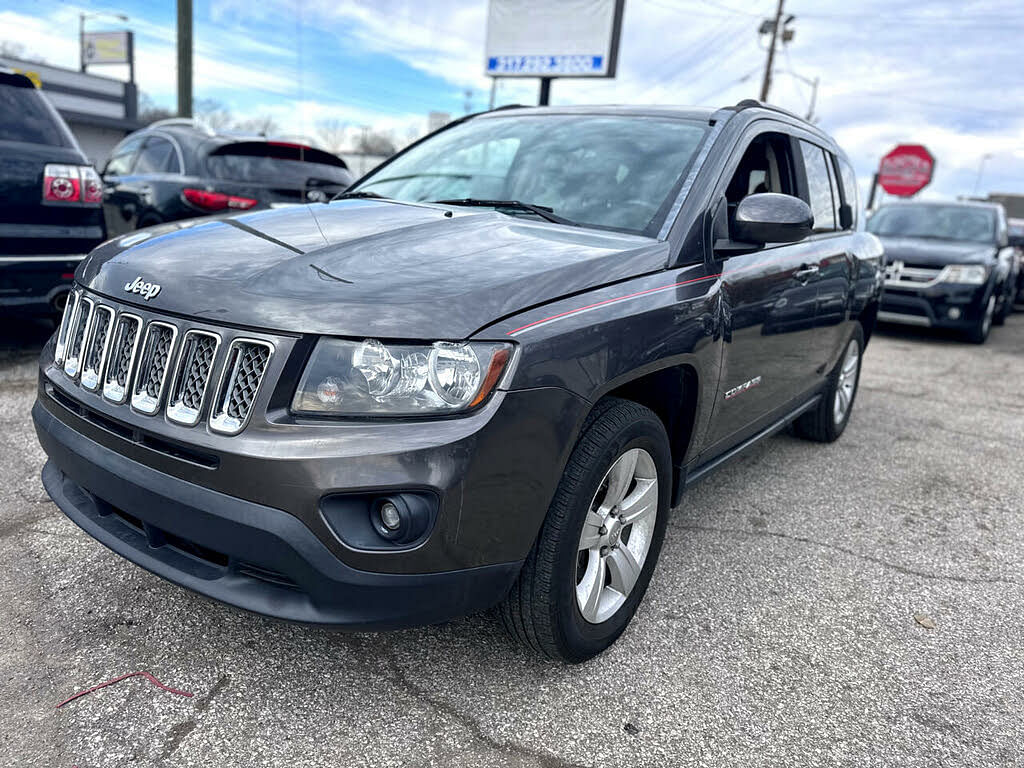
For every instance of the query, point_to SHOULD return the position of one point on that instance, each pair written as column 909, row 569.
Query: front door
column 769, row 303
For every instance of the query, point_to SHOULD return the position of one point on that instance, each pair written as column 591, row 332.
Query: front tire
column 592, row 562
column 978, row 334
column 827, row 420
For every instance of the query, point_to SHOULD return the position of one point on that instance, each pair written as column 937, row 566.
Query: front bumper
column 932, row 307
column 250, row 532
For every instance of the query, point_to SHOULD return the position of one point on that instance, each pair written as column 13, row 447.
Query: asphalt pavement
column 857, row 604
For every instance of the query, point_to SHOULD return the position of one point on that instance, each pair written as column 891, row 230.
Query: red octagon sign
column 906, row 170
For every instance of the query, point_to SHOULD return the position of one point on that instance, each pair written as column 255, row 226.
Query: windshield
column 608, row 171
column 944, row 222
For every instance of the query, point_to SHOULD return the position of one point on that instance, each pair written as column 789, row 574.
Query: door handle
column 807, row 271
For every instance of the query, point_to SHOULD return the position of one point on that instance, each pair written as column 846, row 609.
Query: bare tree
column 333, row 133
column 149, row 112
column 376, row 143
column 214, row 113
column 15, row 50
column 264, row 125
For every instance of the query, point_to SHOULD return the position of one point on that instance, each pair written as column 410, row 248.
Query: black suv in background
column 950, row 265
column 486, row 379
column 50, row 196
column 178, row 169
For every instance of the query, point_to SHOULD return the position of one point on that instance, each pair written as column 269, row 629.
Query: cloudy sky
column 944, row 73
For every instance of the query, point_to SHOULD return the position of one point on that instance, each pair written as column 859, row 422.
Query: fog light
column 954, row 313
column 389, row 516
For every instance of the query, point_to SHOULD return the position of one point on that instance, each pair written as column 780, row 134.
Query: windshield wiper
column 357, row 194
column 540, row 210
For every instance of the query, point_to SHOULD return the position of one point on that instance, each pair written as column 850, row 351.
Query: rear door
column 769, row 298
column 832, row 256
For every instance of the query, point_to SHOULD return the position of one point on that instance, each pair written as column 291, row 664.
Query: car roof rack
column 755, row 104
column 183, row 122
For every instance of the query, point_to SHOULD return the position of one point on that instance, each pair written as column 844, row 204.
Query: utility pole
column 766, row 83
column 545, row 92
column 185, row 58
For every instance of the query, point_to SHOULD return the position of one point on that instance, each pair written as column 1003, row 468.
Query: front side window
column 942, row 222
column 819, row 187
column 608, row 171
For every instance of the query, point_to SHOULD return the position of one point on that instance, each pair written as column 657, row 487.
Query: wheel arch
column 673, row 394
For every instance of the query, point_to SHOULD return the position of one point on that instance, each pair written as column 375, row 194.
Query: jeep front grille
column 76, row 337
column 154, row 362
column 96, row 347
column 240, row 381
column 188, row 388
column 139, row 360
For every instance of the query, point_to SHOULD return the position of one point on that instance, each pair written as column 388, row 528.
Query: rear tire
column 568, row 572
column 826, row 421
column 1005, row 308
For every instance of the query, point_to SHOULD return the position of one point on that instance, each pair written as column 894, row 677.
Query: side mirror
column 769, row 217
column 1017, row 241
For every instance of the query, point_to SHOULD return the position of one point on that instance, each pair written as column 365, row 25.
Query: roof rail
column 755, row 104
column 183, row 122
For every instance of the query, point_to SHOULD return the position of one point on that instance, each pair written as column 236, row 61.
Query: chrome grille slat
column 122, row 358
column 241, row 378
column 76, row 337
column 65, row 327
column 192, row 379
column 154, row 363
column 96, row 347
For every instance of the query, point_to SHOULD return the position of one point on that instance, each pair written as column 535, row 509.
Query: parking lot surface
column 860, row 603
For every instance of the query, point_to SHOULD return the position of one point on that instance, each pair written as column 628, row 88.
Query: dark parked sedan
column 950, row 265
column 177, row 169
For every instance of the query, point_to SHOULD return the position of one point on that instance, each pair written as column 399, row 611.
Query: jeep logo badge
column 141, row 287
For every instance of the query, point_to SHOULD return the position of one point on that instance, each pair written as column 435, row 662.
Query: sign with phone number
column 546, row 66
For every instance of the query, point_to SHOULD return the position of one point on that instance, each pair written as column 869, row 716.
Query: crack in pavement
column 181, row 731
column 394, row 672
column 853, row 553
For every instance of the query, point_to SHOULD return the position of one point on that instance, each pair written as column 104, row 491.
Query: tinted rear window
column 270, row 164
column 24, row 116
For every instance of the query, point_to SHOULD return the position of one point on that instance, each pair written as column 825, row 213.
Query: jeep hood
column 930, row 252
column 364, row 268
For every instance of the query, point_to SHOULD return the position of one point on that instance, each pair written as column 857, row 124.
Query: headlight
column 965, row 274
column 369, row 378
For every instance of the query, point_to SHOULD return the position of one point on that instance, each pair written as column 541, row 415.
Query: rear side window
column 819, row 187
column 24, row 116
column 266, row 163
column 157, row 156
column 848, row 186
column 124, row 154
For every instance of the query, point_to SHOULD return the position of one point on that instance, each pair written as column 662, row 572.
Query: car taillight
column 92, row 185
column 217, row 201
column 72, row 184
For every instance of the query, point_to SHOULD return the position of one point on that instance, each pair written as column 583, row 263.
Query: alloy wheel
column 616, row 536
column 847, row 383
